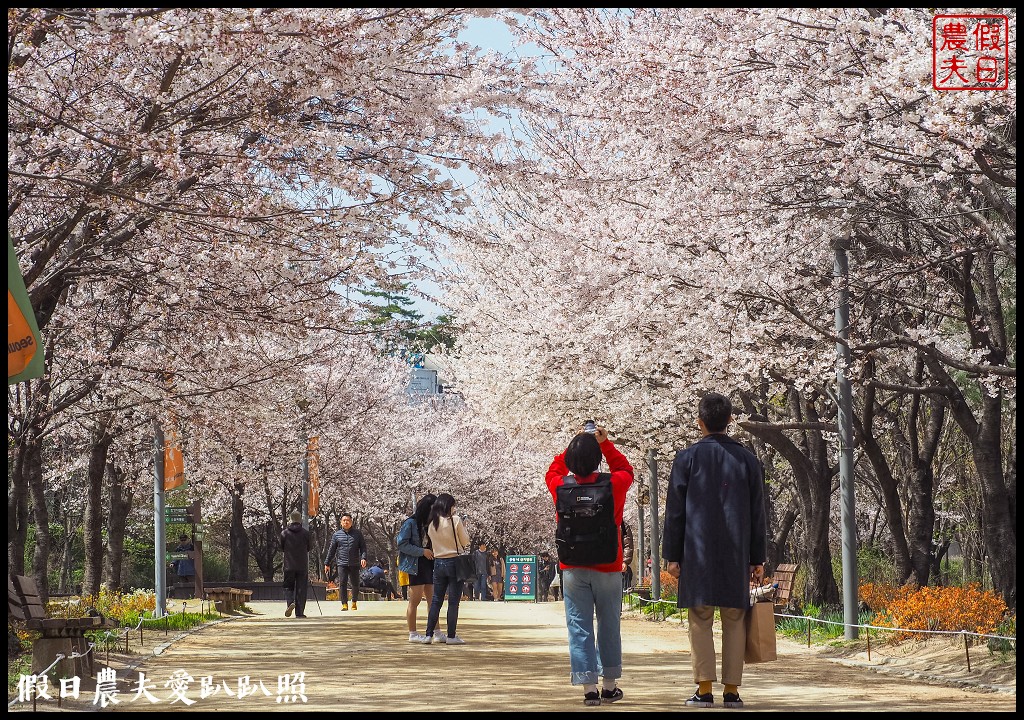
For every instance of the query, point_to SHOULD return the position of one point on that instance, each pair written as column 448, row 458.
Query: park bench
column 65, row 636
column 783, row 579
column 228, row 600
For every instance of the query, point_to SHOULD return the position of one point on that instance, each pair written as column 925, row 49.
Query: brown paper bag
column 760, row 633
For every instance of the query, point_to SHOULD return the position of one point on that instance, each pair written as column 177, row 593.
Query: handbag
column 760, row 623
column 464, row 566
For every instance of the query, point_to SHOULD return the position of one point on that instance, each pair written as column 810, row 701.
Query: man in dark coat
column 297, row 542
column 347, row 550
column 715, row 542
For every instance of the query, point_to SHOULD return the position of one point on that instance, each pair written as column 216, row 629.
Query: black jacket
column 297, row 542
column 346, row 548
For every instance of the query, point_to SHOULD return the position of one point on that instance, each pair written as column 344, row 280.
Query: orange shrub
column 669, row 586
column 935, row 608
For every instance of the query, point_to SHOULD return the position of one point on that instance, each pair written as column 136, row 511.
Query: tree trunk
column 999, row 533
column 921, row 521
column 17, row 512
column 998, row 528
column 67, row 555
column 93, row 531
column 239, row 543
column 120, row 505
column 813, row 479
column 888, row 485
column 33, row 468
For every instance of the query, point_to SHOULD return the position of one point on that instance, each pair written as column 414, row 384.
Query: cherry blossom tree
column 662, row 223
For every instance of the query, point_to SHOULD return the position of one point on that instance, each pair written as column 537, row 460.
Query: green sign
column 520, row 577
column 171, row 556
column 178, row 514
column 24, row 354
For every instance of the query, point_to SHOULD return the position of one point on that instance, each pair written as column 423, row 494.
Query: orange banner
column 21, row 345
column 313, row 465
column 174, row 463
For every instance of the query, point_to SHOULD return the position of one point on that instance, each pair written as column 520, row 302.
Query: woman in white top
column 448, row 538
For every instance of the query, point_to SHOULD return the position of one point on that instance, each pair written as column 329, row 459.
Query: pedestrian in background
column 480, row 566
column 496, row 574
column 417, row 559
column 448, row 536
column 715, row 543
column 297, row 543
column 627, row 556
column 347, row 550
column 184, row 568
column 590, row 590
column 545, row 574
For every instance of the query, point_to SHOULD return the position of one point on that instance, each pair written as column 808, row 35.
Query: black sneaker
column 732, row 700
column 592, row 698
column 610, row 696
column 702, row 701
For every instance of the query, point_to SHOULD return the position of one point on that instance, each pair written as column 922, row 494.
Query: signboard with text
column 520, row 577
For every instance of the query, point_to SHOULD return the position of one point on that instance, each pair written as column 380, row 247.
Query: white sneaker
column 455, row 640
column 426, row 639
column 440, row 637
column 415, row 637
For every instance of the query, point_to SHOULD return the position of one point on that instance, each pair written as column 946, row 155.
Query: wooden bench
column 65, row 636
column 783, row 578
column 228, row 600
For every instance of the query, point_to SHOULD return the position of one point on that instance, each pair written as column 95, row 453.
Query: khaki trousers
column 702, row 644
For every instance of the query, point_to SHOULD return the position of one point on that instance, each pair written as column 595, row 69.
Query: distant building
column 425, row 381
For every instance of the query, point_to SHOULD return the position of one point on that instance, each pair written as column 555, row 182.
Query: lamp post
column 643, row 497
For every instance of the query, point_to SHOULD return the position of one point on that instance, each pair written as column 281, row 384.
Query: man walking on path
column 715, row 543
column 480, row 567
column 347, row 550
column 592, row 568
column 296, row 542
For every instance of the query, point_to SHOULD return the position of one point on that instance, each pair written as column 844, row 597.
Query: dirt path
column 515, row 658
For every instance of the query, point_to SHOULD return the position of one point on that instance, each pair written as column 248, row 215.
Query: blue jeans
column 586, row 593
column 481, row 587
column 444, row 581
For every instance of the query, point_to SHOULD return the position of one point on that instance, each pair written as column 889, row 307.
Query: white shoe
column 426, row 639
column 455, row 640
column 440, row 637
column 415, row 637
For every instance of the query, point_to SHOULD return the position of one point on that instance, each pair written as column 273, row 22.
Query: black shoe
column 592, row 698
column 702, row 701
column 732, row 700
column 610, row 696
column 300, row 616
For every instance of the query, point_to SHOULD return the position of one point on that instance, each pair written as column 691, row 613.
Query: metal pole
column 845, row 422
column 652, row 473
column 159, row 531
column 641, row 555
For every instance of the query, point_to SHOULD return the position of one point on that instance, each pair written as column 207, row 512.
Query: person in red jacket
column 594, row 590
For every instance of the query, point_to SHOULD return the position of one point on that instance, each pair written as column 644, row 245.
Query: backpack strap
column 571, row 480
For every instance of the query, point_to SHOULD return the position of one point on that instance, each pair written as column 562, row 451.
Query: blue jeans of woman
column 444, row 582
column 589, row 594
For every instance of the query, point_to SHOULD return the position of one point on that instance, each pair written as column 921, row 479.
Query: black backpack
column 586, row 533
